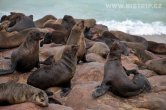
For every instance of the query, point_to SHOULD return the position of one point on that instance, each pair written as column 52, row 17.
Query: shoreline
column 155, row 38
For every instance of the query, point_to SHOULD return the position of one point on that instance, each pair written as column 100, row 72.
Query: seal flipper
column 66, row 87
column 128, row 72
column 10, row 71
column 65, row 92
column 100, row 90
column 48, row 61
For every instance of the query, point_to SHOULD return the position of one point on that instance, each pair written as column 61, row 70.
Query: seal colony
column 61, row 44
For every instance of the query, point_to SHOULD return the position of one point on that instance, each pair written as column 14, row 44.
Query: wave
column 4, row 12
column 136, row 27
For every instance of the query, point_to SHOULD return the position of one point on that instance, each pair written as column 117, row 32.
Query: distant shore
column 156, row 38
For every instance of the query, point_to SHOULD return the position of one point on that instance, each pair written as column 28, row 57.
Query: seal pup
column 116, row 77
column 26, row 57
column 56, row 74
column 15, row 93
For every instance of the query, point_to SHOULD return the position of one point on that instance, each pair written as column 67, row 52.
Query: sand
column 156, row 38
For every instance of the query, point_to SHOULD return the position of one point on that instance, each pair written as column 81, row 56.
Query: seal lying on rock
column 130, row 38
column 158, row 48
column 116, row 79
column 15, row 93
column 15, row 40
column 26, row 57
column 19, row 22
column 58, row 37
column 40, row 22
column 57, row 74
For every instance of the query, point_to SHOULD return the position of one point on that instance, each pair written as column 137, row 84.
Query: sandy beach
column 156, row 38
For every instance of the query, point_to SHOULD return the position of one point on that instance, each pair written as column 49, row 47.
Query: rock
column 153, row 102
column 88, row 72
column 95, row 58
column 83, row 92
column 157, row 65
column 147, row 73
column 158, row 83
column 106, row 102
column 100, row 48
column 128, row 62
column 31, row 106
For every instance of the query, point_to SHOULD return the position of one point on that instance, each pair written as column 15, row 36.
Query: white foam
column 4, row 12
column 136, row 27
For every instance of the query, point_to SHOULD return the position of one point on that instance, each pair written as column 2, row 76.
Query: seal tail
column 5, row 72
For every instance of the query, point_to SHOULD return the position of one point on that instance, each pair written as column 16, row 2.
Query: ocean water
column 139, row 17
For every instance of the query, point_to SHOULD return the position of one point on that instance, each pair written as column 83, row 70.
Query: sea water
column 139, row 17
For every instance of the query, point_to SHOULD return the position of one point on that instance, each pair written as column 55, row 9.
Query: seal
column 26, row 57
column 57, row 74
column 158, row 48
column 77, row 38
column 130, row 38
column 58, row 37
column 89, row 23
column 40, row 22
column 19, row 22
column 8, row 41
column 68, row 22
column 15, row 93
column 157, row 65
column 116, row 77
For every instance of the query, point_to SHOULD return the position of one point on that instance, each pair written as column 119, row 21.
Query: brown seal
column 19, row 22
column 87, row 22
column 56, row 74
column 130, row 38
column 116, row 79
column 58, row 37
column 157, row 65
column 15, row 93
column 40, row 22
column 158, row 48
column 11, row 41
column 77, row 38
column 26, row 57
column 108, row 38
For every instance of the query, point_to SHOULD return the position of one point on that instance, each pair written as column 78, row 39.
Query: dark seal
column 116, row 77
column 26, row 57
column 56, row 74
